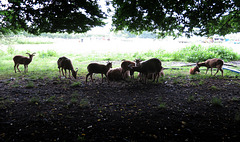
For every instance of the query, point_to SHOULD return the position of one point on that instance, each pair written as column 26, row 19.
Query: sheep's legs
column 18, row 68
column 221, row 71
column 157, row 76
column 88, row 75
column 102, row 77
column 211, row 71
column 207, row 70
column 106, row 78
column 15, row 68
column 60, row 73
column 91, row 77
column 63, row 72
column 25, row 68
column 69, row 73
column 123, row 74
column 216, row 72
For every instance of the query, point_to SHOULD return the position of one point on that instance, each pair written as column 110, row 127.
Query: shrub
column 197, row 53
column 224, row 53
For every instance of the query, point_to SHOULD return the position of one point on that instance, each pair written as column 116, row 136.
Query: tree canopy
column 174, row 17
column 164, row 17
column 38, row 16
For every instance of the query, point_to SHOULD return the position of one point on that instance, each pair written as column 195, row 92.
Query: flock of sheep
column 149, row 69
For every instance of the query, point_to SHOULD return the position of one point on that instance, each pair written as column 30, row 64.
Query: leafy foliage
column 50, row 16
column 173, row 17
column 164, row 17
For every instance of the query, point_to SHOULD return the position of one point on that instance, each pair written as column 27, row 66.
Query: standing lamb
column 19, row 59
column 213, row 63
column 66, row 64
column 98, row 68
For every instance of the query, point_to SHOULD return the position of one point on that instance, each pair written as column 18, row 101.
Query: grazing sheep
column 66, row 64
column 98, row 68
column 213, row 63
column 19, row 59
column 194, row 70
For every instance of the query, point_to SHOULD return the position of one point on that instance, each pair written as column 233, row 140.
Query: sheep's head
column 74, row 73
column 196, row 69
column 130, row 67
column 138, row 62
column 109, row 65
column 31, row 55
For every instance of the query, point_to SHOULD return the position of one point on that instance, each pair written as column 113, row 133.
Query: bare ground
column 176, row 109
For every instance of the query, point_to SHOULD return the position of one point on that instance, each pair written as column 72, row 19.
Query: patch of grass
column 193, row 84
column 76, row 84
column 27, row 41
column 162, row 105
column 213, row 87
column 236, row 99
column 216, row 101
column 201, row 82
column 48, row 53
column 34, row 100
column 11, row 50
column 51, row 99
column 74, row 97
column 30, row 84
column 74, row 100
column 15, row 84
column 75, row 94
column 191, row 98
column 84, row 103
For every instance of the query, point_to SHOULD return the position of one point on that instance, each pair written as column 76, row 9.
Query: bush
column 224, row 53
column 197, row 53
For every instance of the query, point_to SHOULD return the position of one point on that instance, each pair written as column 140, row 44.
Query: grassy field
column 44, row 64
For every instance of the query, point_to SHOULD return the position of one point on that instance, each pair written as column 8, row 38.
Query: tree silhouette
column 174, row 17
column 38, row 16
column 164, row 17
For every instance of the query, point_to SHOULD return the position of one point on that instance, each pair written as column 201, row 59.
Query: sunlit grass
column 44, row 64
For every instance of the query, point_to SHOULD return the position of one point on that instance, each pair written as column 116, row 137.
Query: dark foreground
column 176, row 109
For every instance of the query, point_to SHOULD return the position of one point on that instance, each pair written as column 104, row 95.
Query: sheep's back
column 21, row 59
column 214, row 63
column 115, row 74
column 96, row 68
column 152, row 65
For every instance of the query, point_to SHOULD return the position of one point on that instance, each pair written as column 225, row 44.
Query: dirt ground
column 175, row 109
